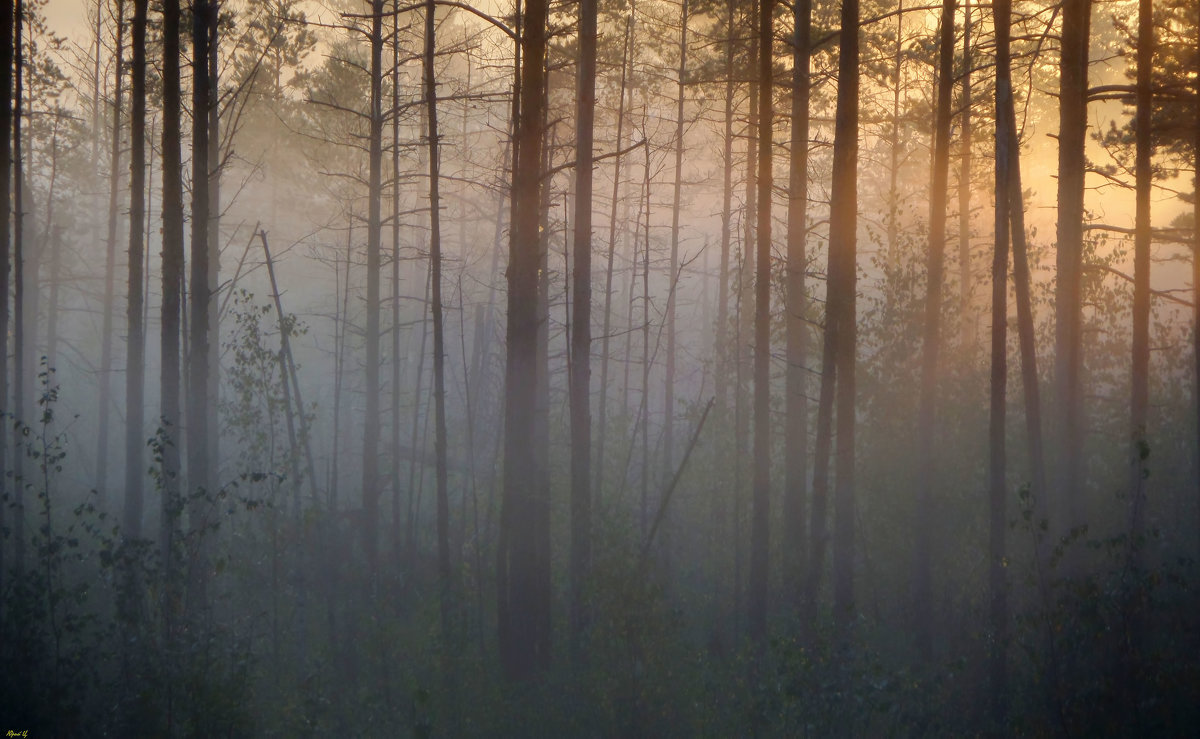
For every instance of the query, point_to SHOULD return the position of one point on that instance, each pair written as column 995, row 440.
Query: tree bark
column 1068, row 339
column 439, row 340
column 581, row 333
column 199, row 462
column 20, row 380
column 110, row 261
column 1140, row 376
column 796, row 436
column 135, row 367
column 6, row 124
column 997, row 481
column 843, row 220
column 522, row 615
column 966, row 315
column 760, row 514
column 370, row 470
column 931, row 342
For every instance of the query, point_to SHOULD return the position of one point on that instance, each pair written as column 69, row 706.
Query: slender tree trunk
column 1140, row 390
column 135, row 367
column 214, row 246
column 997, row 478
column 602, row 419
column 760, row 515
column 893, row 219
column 199, row 463
column 722, row 358
column 676, row 207
column 931, row 343
column 439, row 339
column 843, row 220
column 966, row 314
column 370, row 470
column 1195, row 273
column 6, row 125
column 172, row 278
column 521, row 576
column 19, row 376
column 1068, row 338
column 581, row 336
column 795, row 542
column 397, row 539
column 110, row 261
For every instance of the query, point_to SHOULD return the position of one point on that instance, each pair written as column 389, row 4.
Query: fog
column 646, row 368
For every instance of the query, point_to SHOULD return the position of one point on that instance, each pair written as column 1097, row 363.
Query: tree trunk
column 199, row 462
column 135, row 368
column 214, row 247
column 796, row 436
column 110, row 263
column 997, row 482
column 1140, row 390
column 439, row 340
column 370, row 470
column 966, row 315
column 581, row 336
column 1068, row 337
column 1195, row 275
column 760, row 514
column 931, row 343
column 6, row 124
column 843, row 220
column 19, row 370
column 172, row 278
column 522, row 614
column 676, row 207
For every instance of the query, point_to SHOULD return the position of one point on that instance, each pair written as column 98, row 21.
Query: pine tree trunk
column 795, row 541
column 521, row 576
column 760, row 513
column 439, row 340
column 172, row 278
column 6, row 124
column 1140, row 391
column 135, row 367
column 966, row 314
column 581, row 335
column 198, row 460
column 843, row 219
column 110, row 262
column 1068, row 338
column 19, row 323
column 370, row 469
column 997, row 480
column 931, row 343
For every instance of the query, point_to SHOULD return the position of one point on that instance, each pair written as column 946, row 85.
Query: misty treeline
column 634, row 367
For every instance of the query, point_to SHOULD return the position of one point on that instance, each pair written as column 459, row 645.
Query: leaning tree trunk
column 760, row 513
column 997, row 482
column 521, row 576
column 1068, row 299
column 931, row 343
column 796, row 434
column 581, row 331
column 843, row 220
